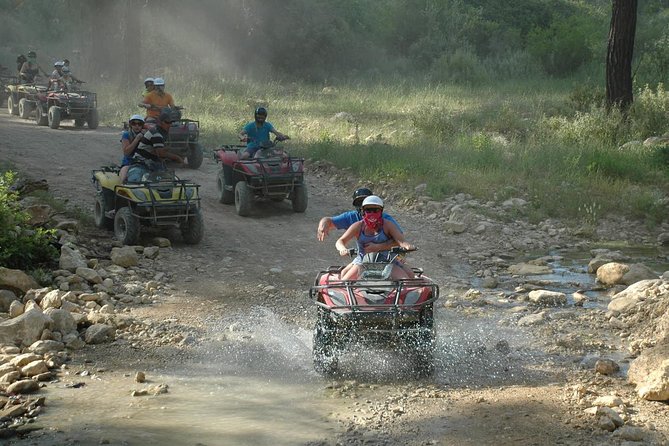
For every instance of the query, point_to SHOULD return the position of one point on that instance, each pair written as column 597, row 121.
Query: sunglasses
column 371, row 210
column 136, row 123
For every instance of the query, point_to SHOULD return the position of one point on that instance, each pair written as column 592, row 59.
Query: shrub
column 20, row 246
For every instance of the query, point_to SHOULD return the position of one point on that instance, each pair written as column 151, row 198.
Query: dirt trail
column 248, row 379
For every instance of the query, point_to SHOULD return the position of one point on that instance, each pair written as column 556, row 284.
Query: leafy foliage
column 20, row 246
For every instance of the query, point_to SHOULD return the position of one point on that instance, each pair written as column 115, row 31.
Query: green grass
column 538, row 140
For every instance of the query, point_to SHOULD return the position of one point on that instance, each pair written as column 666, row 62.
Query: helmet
column 136, row 118
column 32, row 54
column 262, row 111
column 360, row 194
column 58, row 63
column 66, row 70
column 148, row 79
column 372, row 200
column 159, row 81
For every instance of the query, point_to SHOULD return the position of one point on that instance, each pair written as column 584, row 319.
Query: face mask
column 373, row 220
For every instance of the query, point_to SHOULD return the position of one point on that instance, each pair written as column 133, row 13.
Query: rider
column 373, row 229
column 148, row 86
column 154, row 101
column 156, row 135
column 130, row 139
column 256, row 132
column 56, row 75
column 30, row 68
column 20, row 60
column 66, row 63
column 346, row 219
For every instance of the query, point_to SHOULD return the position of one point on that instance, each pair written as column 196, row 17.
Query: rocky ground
column 545, row 336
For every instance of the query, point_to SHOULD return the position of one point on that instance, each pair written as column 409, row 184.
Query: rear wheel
column 41, row 118
column 299, row 198
column 102, row 205
column 12, row 107
column 243, row 199
column 25, row 107
column 93, row 119
column 195, row 155
column 126, row 226
column 192, row 230
column 325, row 352
column 224, row 196
column 54, row 117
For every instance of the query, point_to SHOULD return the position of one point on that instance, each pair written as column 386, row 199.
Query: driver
column 256, row 132
column 56, row 75
column 30, row 68
column 157, row 99
column 373, row 229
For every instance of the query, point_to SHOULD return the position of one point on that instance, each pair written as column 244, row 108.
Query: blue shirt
column 256, row 134
column 346, row 219
column 127, row 159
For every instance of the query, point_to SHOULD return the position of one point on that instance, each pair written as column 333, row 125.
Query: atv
column 56, row 106
column 6, row 80
column 272, row 174
column 160, row 199
column 397, row 313
column 22, row 98
column 183, row 138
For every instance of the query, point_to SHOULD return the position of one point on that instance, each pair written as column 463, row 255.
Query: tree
column 619, row 54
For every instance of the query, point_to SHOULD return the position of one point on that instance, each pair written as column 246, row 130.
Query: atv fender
column 107, row 180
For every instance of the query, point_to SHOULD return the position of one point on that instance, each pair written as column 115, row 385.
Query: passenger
column 66, row 82
column 148, row 86
column 256, row 132
column 156, row 100
column 20, row 61
column 66, row 63
column 30, row 69
column 130, row 139
column 373, row 229
column 346, row 219
column 56, row 76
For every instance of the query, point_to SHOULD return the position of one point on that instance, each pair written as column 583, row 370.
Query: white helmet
column 136, row 118
column 148, row 79
column 372, row 200
column 159, row 81
column 59, row 63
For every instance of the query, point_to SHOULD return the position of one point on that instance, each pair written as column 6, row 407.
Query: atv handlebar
column 352, row 252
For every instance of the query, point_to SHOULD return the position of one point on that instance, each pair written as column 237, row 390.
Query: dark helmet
column 359, row 195
column 262, row 111
column 168, row 114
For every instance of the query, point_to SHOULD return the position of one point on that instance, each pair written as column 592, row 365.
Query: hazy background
column 326, row 41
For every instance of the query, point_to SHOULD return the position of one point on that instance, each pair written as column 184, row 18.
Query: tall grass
column 549, row 142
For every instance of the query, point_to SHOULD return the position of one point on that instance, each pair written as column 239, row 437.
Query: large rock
column 125, row 256
column 42, row 347
column 23, row 386
column 612, row 273
column 98, row 333
column 632, row 295
column 89, row 274
column 650, row 373
column 16, row 280
column 6, row 299
column 24, row 329
column 528, row 269
column 548, row 298
column 638, row 272
column 52, row 299
column 39, row 214
column 71, row 259
column 62, row 320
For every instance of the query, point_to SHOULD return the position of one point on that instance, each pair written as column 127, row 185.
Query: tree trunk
column 619, row 54
column 131, row 42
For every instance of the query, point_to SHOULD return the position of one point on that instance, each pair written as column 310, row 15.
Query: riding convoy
column 395, row 313
column 183, row 138
column 272, row 174
column 52, row 107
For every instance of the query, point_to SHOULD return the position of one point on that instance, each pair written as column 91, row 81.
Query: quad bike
column 183, row 138
column 397, row 313
column 53, row 107
column 160, row 199
column 271, row 174
column 6, row 80
column 22, row 98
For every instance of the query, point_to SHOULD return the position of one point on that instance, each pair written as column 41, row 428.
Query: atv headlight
column 412, row 297
column 140, row 194
column 295, row 165
column 190, row 192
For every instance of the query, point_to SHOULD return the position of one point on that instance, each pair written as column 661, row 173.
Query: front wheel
column 54, row 117
column 25, row 107
column 225, row 196
column 126, row 226
column 325, row 352
column 195, row 155
column 12, row 106
column 192, row 230
column 243, row 199
column 93, row 119
column 41, row 118
column 299, row 198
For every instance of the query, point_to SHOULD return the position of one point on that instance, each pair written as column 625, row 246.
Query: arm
column 324, row 227
column 279, row 135
column 347, row 237
column 392, row 231
column 129, row 146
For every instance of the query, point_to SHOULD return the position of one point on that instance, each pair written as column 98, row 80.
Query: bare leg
column 399, row 273
column 353, row 273
column 123, row 174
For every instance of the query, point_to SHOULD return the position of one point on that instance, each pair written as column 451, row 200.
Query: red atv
column 56, row 106
column 271, row 174
column 374, row 308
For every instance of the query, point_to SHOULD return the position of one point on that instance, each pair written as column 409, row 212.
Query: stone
column 161, row 242
column 151, row 252
column 612, row 273
column 16, row 281
column 71, row 259
column 627, row 299
column 125, row 256
column 52, row 300
column 638, row 272
column 63, row 321
column 608, row 401
column 606, row 367
column 89, row 274
column 10, row 377
column 527, row 269
column 140, row 377
column 98, row 333
column 39, row 214
column 630, row 433
column 547, row 298
column 6, row 299
column 24, row 329
column 16, row 309
column 43, row 347
column 650, row 373
column 23, row 386
column 34, row 368
column 532, row 319
column 23, row 359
